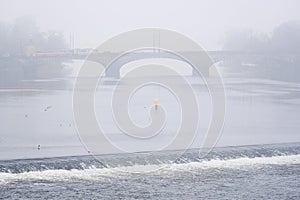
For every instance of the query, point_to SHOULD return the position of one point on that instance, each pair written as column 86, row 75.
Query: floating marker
column 156, row 104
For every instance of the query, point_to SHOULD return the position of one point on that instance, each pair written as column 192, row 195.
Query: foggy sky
column 207, row 22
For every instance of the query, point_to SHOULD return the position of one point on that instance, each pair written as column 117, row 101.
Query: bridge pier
column 113, row 71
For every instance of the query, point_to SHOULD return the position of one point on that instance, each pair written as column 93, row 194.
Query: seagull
column 47, row 108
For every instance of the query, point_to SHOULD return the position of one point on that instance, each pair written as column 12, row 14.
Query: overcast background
column 207, row 22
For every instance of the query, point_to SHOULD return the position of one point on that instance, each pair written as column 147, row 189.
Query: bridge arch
column 114, row 70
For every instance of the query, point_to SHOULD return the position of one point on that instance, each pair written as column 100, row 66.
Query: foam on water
column 164, row 169
column 158, row 160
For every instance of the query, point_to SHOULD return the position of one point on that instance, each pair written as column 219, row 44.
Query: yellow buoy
column 156, row 103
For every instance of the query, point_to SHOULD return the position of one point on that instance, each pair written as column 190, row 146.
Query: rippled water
column 246, row 172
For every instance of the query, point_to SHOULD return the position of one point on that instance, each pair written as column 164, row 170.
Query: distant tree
column 247, row 41
column 24, row 36
column 55, row 41
column 285, row 38
column 4, row 38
